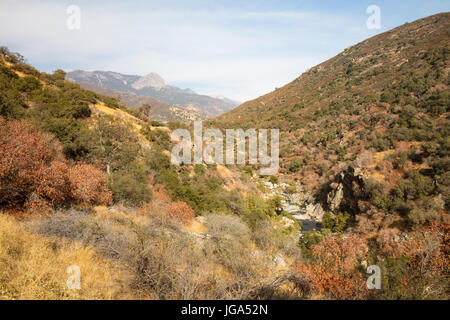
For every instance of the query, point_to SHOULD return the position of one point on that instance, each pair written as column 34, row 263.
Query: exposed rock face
column 314, row 211
column 106, row 79
column 152, row 80
column 335, row 197
column 343, row 194
column 291, row 209
column 300, row 205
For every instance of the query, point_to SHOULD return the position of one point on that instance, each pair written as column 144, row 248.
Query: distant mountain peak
column 151, row 80
column 152, row 85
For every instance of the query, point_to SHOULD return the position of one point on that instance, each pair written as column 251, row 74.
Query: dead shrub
column 89, row 185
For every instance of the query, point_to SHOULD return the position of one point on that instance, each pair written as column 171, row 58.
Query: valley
column 87, row 178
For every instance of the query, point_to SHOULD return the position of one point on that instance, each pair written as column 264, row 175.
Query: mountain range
column 135, row 90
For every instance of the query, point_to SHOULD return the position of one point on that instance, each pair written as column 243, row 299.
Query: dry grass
column 123, row 254
column 196, row 227
column 119, row 114
column 34, row 267
column 124, row 116
column 130, row 121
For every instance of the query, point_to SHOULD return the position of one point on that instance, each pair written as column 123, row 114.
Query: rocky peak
column 151, row 80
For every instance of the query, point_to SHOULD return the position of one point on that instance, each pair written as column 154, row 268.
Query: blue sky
column 240, row 49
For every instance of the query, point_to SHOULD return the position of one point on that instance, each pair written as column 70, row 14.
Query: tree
column 116, row 147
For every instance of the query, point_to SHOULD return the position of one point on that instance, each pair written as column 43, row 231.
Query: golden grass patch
column 34, row 267
column 196, row 227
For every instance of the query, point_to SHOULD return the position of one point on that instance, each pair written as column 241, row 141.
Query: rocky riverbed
column 299, row 204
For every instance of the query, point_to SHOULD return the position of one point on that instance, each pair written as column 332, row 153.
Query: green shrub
column 298, row 106
column 28, row 84
column 79, row 111
column 295, row 165
column 309, row 239
column 130, row 186
column 335, row 223
column 273, row 179
column 420, row 216
column 438, row 103
column 74, row 136
column 157, row 160
column 413, row 187
column 11, row 101
column 157, row 136
column 114, row 144
column 257, row 209
column 375, row 192
column 155, row 123
column 173, row 125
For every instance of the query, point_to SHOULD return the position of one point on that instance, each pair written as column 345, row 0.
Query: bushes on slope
column 35, row 175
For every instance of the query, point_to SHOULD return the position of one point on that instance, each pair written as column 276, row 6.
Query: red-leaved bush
column 88, row 184
column 332, row 272
column 163, row 209
column 35, row 176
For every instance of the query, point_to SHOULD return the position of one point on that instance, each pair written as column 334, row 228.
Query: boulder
column 279, row 261
column 291, row 209
column 335, row 197
column 314, row 211
column 345, row 191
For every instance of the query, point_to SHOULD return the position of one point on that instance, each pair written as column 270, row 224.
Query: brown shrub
column 370, row 219
column 388, row 242
column 332, row 273
column 89, row 184
column 34, row 174
column 164, row 210
column 28, row 173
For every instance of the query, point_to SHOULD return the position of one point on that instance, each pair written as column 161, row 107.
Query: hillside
column 368, row 131
column 365, row 181
column 85, row 180
column 387, row 95
column 152, row 85
column 159, row 111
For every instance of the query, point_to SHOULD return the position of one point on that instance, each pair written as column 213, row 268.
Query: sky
column 238, row 49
